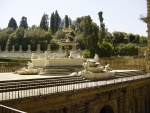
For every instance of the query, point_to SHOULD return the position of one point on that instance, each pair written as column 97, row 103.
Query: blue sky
column 119, row 15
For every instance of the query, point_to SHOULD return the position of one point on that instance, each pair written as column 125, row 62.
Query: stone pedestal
column 13, row 49
column 20, row 50
column 38, row 49
column 29, row 49
column 48, row 48
column 6, row 49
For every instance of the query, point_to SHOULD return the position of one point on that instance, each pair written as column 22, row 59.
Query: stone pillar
column 60, row 48
column 38, row 49
column 6, row 49
column 48, row 48
column 74, row 47
column 13, row 49
column 32, row 56
column 29, row 49
column 20, row 50
column 46, row 55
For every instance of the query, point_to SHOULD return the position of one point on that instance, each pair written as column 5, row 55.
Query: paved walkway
column 11, row 76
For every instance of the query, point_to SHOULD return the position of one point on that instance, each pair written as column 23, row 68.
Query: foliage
column 87, row 30
column 23, row 22
column 105, row 49
column 60, row 34
column 86, row 54
column 52, row 25
column 4, row 35
column 12, row 23
column 102, row 27
column 44, row 22
column 66, row 21
column 54, row 45
column 57, row 21
column 126, row 50
column 14, row 60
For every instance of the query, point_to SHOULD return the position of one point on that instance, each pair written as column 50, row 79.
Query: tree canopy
column 12, row 23
column 92, row 38
column 23, row 22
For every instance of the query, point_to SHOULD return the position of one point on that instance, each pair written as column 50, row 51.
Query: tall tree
column 57, row 21
column 102, row 27
column 44, row 22
column 87, row 30
column 12, row 23
column 66, row 21
column 23, row 22
column 52, row 23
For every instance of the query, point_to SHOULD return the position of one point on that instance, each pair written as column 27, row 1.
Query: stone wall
column 126, row 97
column 127, row 63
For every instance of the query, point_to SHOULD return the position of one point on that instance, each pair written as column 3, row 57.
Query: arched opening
column 107, row 109
column 147, row 109
column 132, row 106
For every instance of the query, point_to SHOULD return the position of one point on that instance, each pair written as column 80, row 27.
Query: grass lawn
column 7, row 60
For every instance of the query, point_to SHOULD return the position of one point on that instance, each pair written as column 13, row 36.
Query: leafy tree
column 90, row 35
column 19, row 39
column 126, row 49
column 132, row 38
column 38, row 36
column 105, row 49
column 23, row 22
column 11, row 40
column 86, row 54
column 44, row 22
column 34, row 27
column 108, row 37
column 54, row 45
column 94, row 39
column 60, row 34
column 143, row 40
column 79, row 38
column 4, row 35
column 12, row 23
column 52, row 23
column 87, row 31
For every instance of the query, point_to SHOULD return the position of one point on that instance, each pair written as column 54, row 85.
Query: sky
column 119, row 15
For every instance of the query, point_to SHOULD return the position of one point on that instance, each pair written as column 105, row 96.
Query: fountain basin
column 97, row 76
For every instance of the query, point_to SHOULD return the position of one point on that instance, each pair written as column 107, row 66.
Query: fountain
column 28, row 71
column 64, row 66
column 94, row 71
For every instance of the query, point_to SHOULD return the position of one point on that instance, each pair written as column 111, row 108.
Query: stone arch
column 147, row 102
column 133, row 105
column 107, row 107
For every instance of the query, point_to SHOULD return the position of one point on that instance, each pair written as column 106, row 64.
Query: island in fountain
column 94, row 71
column 28, row 71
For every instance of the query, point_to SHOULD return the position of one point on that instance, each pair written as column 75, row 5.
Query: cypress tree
column 52, row 23
column 12, row 23
column 23, row 22
column 102, row 27
column 66, row 21
column 44, row 22
column 57, row 21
